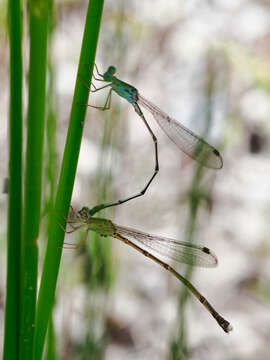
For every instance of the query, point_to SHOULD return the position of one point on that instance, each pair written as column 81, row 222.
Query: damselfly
column 153, row 247
column 186, row 140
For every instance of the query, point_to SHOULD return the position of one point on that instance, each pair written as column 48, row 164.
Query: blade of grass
column 13, row 285
column 67, row 175
column 178, row 346
column 51, row 340
column 197, row 196
column 38, row 31
column 51, row 167
column 97, row 265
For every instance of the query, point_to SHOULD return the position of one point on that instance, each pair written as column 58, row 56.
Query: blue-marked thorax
column 128, row 92
column 123, row 89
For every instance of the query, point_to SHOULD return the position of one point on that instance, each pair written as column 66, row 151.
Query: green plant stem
column 13, row 287
column 67, row 175
column 51, row 348
column 51, row 129
column 197, row 195
column 38, row 30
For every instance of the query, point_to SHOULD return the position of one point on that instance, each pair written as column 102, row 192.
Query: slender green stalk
column 197, row 195
column 67, row 175
column 97, row 266
column 13, row 287
column 51, row 167
column 178, row 345
column 50, row 350
column 101, row 264
column 38, row 30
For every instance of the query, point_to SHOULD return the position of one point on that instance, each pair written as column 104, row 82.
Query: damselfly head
column 111, row 70
column 109, row 73
column 83, row 213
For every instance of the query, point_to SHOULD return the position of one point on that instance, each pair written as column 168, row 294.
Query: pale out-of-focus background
column 207, row 64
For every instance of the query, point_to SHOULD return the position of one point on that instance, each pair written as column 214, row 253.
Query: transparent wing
column 169, row 248
column 185, row 139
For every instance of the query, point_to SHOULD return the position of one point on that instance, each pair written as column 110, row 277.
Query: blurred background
column 205, row 63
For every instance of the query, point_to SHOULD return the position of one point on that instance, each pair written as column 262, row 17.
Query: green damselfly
column 153, row 247
column 186, row 140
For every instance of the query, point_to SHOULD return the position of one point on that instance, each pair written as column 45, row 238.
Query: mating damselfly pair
column 151, row 246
